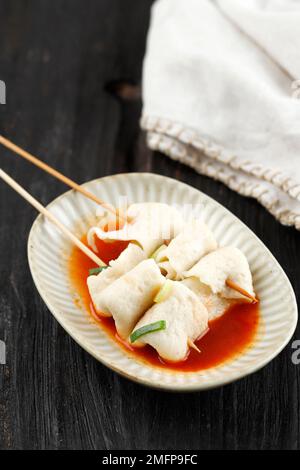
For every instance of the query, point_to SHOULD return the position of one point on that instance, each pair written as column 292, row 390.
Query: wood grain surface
column 72, row 69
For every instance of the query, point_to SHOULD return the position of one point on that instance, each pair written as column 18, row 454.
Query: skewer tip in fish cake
column 221, row 265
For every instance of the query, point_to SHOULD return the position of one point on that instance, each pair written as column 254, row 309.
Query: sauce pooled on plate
column 228, row 336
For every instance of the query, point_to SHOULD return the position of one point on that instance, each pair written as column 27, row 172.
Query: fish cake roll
column 185, row 318
column 150, row 224
column 127, row 260
column 128, row 298
column 215, row 304
column 221, row 265
column 188, row 247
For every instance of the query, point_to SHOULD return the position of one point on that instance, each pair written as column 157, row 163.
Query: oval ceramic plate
column 48, row 251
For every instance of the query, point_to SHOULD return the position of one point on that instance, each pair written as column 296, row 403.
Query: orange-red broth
column 228, row 335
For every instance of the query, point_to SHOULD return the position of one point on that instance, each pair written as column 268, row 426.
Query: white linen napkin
column 221, row 93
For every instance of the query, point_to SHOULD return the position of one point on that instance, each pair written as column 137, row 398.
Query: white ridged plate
column 48, row 251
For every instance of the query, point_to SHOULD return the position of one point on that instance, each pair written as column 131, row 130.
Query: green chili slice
column 144, row 330
column 94, row 271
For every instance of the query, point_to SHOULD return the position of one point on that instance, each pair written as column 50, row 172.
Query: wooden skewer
column 27, row 156
column 37, row 162
column 242, row 291
column 192, row 345
column 13, row 184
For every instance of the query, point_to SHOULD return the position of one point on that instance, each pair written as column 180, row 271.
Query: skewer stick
column 37, row 162
column 242, row 291
column 192, row 345
column 13, row 184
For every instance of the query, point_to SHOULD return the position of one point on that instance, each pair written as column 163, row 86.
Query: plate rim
column 77, row 337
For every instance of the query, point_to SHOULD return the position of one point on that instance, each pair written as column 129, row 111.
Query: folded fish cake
column 189, row 246
column 127, row 260
column 215, row 304
column 151, row 224
column 221, row 265
column 185, row 317
column 128, row 298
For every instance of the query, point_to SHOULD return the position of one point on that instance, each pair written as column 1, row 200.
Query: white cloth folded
column 221, row 93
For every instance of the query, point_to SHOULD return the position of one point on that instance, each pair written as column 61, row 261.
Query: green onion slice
column 94, row 271
column 144, row 330
column 164, row 292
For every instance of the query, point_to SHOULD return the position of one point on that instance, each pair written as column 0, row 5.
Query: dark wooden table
column 72, row 71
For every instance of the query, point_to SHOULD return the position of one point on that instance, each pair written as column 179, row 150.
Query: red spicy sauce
column 228, row 335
